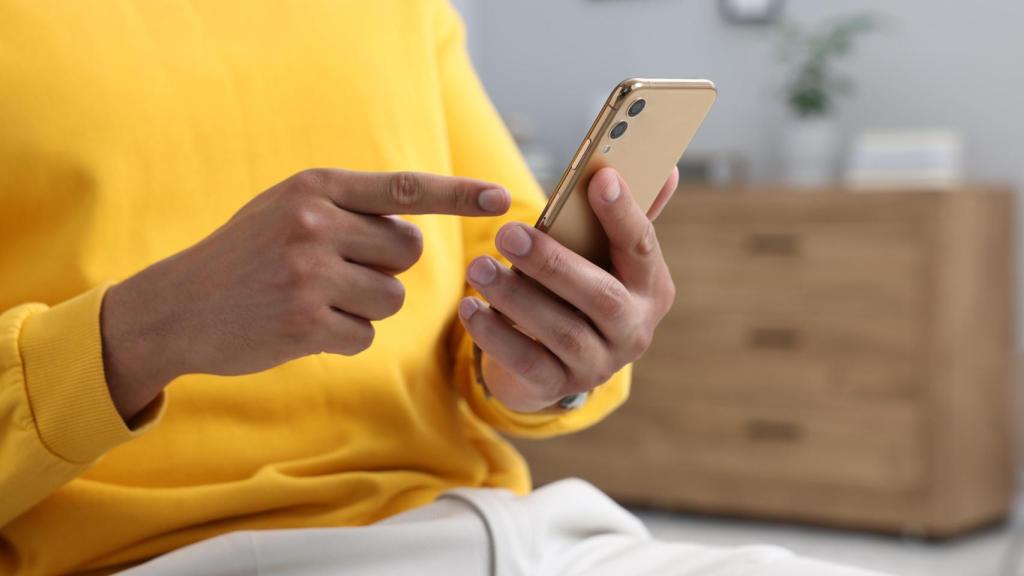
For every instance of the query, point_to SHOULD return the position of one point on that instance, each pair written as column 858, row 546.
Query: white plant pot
column 810, row 149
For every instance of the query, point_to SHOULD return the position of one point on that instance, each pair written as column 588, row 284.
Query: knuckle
column 311, row 179
column 411, row 239
column 571, row 337
column 529, row 367
column 603, row 376
column 648, row 240
column 359, row 338
column 462, row 200
column 306, row 220
column 552, row 263
column 364, row 336
column 404, row 190
column 611, row 298
column 640, row 342
column 393, row 293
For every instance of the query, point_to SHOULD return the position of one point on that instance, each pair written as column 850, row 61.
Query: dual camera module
column 634, row 110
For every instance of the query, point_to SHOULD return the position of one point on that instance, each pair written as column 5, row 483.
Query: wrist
column 488, row 370
column 137, row 345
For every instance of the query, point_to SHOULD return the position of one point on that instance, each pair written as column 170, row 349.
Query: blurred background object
column 905, row 158
column 810, row 137
column 544, row 165
column 833, row 359
column 713, row 170
column 750, row 11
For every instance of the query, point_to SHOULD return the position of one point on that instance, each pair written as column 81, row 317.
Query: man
column 320, row 376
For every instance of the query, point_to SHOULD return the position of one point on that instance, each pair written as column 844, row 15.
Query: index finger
column 413, row 193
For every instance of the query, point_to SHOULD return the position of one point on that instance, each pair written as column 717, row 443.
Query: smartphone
column 641, row 131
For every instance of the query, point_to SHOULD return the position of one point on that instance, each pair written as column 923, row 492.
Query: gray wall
column 472, row 13
column 952, row 64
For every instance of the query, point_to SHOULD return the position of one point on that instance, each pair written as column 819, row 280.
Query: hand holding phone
column 589, row 283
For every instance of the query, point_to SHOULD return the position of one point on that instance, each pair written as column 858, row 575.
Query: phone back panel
column 644, row 155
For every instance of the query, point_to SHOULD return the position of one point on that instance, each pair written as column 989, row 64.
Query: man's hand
column 582, row 323
column 303, row 268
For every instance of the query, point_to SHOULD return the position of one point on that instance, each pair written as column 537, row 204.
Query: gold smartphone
column 642, row 131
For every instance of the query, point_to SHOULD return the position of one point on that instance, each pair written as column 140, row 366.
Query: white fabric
column 566, row 528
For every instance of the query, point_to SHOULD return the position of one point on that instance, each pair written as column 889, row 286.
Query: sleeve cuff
column 603, row 400
column 62, row 357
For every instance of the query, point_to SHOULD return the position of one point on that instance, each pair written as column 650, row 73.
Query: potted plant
column 811, row 135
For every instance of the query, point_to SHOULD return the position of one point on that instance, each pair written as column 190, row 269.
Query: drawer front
column 840, row 304
column 791, row 331
column 776, row 380
column 875, row 447
column 867, row 267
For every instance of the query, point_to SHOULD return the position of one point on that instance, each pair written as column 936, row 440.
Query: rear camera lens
column 637, row 107
column 619, row 129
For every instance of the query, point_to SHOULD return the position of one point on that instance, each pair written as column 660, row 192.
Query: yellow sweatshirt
column 130, row 130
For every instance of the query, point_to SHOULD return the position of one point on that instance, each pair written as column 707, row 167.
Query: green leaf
column 814, row 85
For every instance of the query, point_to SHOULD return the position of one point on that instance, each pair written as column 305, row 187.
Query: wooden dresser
column 832, row 357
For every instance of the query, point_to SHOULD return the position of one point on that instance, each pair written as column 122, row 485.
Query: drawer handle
column 774, row 338
column 774, row 431
column 779, row 244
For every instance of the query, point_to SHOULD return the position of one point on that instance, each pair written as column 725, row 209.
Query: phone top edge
column 570, row 176
column 630, row 85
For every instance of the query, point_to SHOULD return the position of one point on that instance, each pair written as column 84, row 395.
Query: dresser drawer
column 858, row 267
column 789, row 331
column 869, row 446
column 772, row 380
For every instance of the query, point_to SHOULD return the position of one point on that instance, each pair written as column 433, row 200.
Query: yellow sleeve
column 56, row 414
column 481, row 147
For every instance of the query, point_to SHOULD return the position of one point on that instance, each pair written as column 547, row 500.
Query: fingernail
column 468, row 307
column 516, row 240
column 483, row 271
column 493, row 200
column 611, row 191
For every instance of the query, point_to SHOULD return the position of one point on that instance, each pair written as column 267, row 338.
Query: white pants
column 565, row 528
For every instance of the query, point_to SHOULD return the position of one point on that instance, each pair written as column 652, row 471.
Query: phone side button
column 545, row 219
column 551, row 210
column 579, row 155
